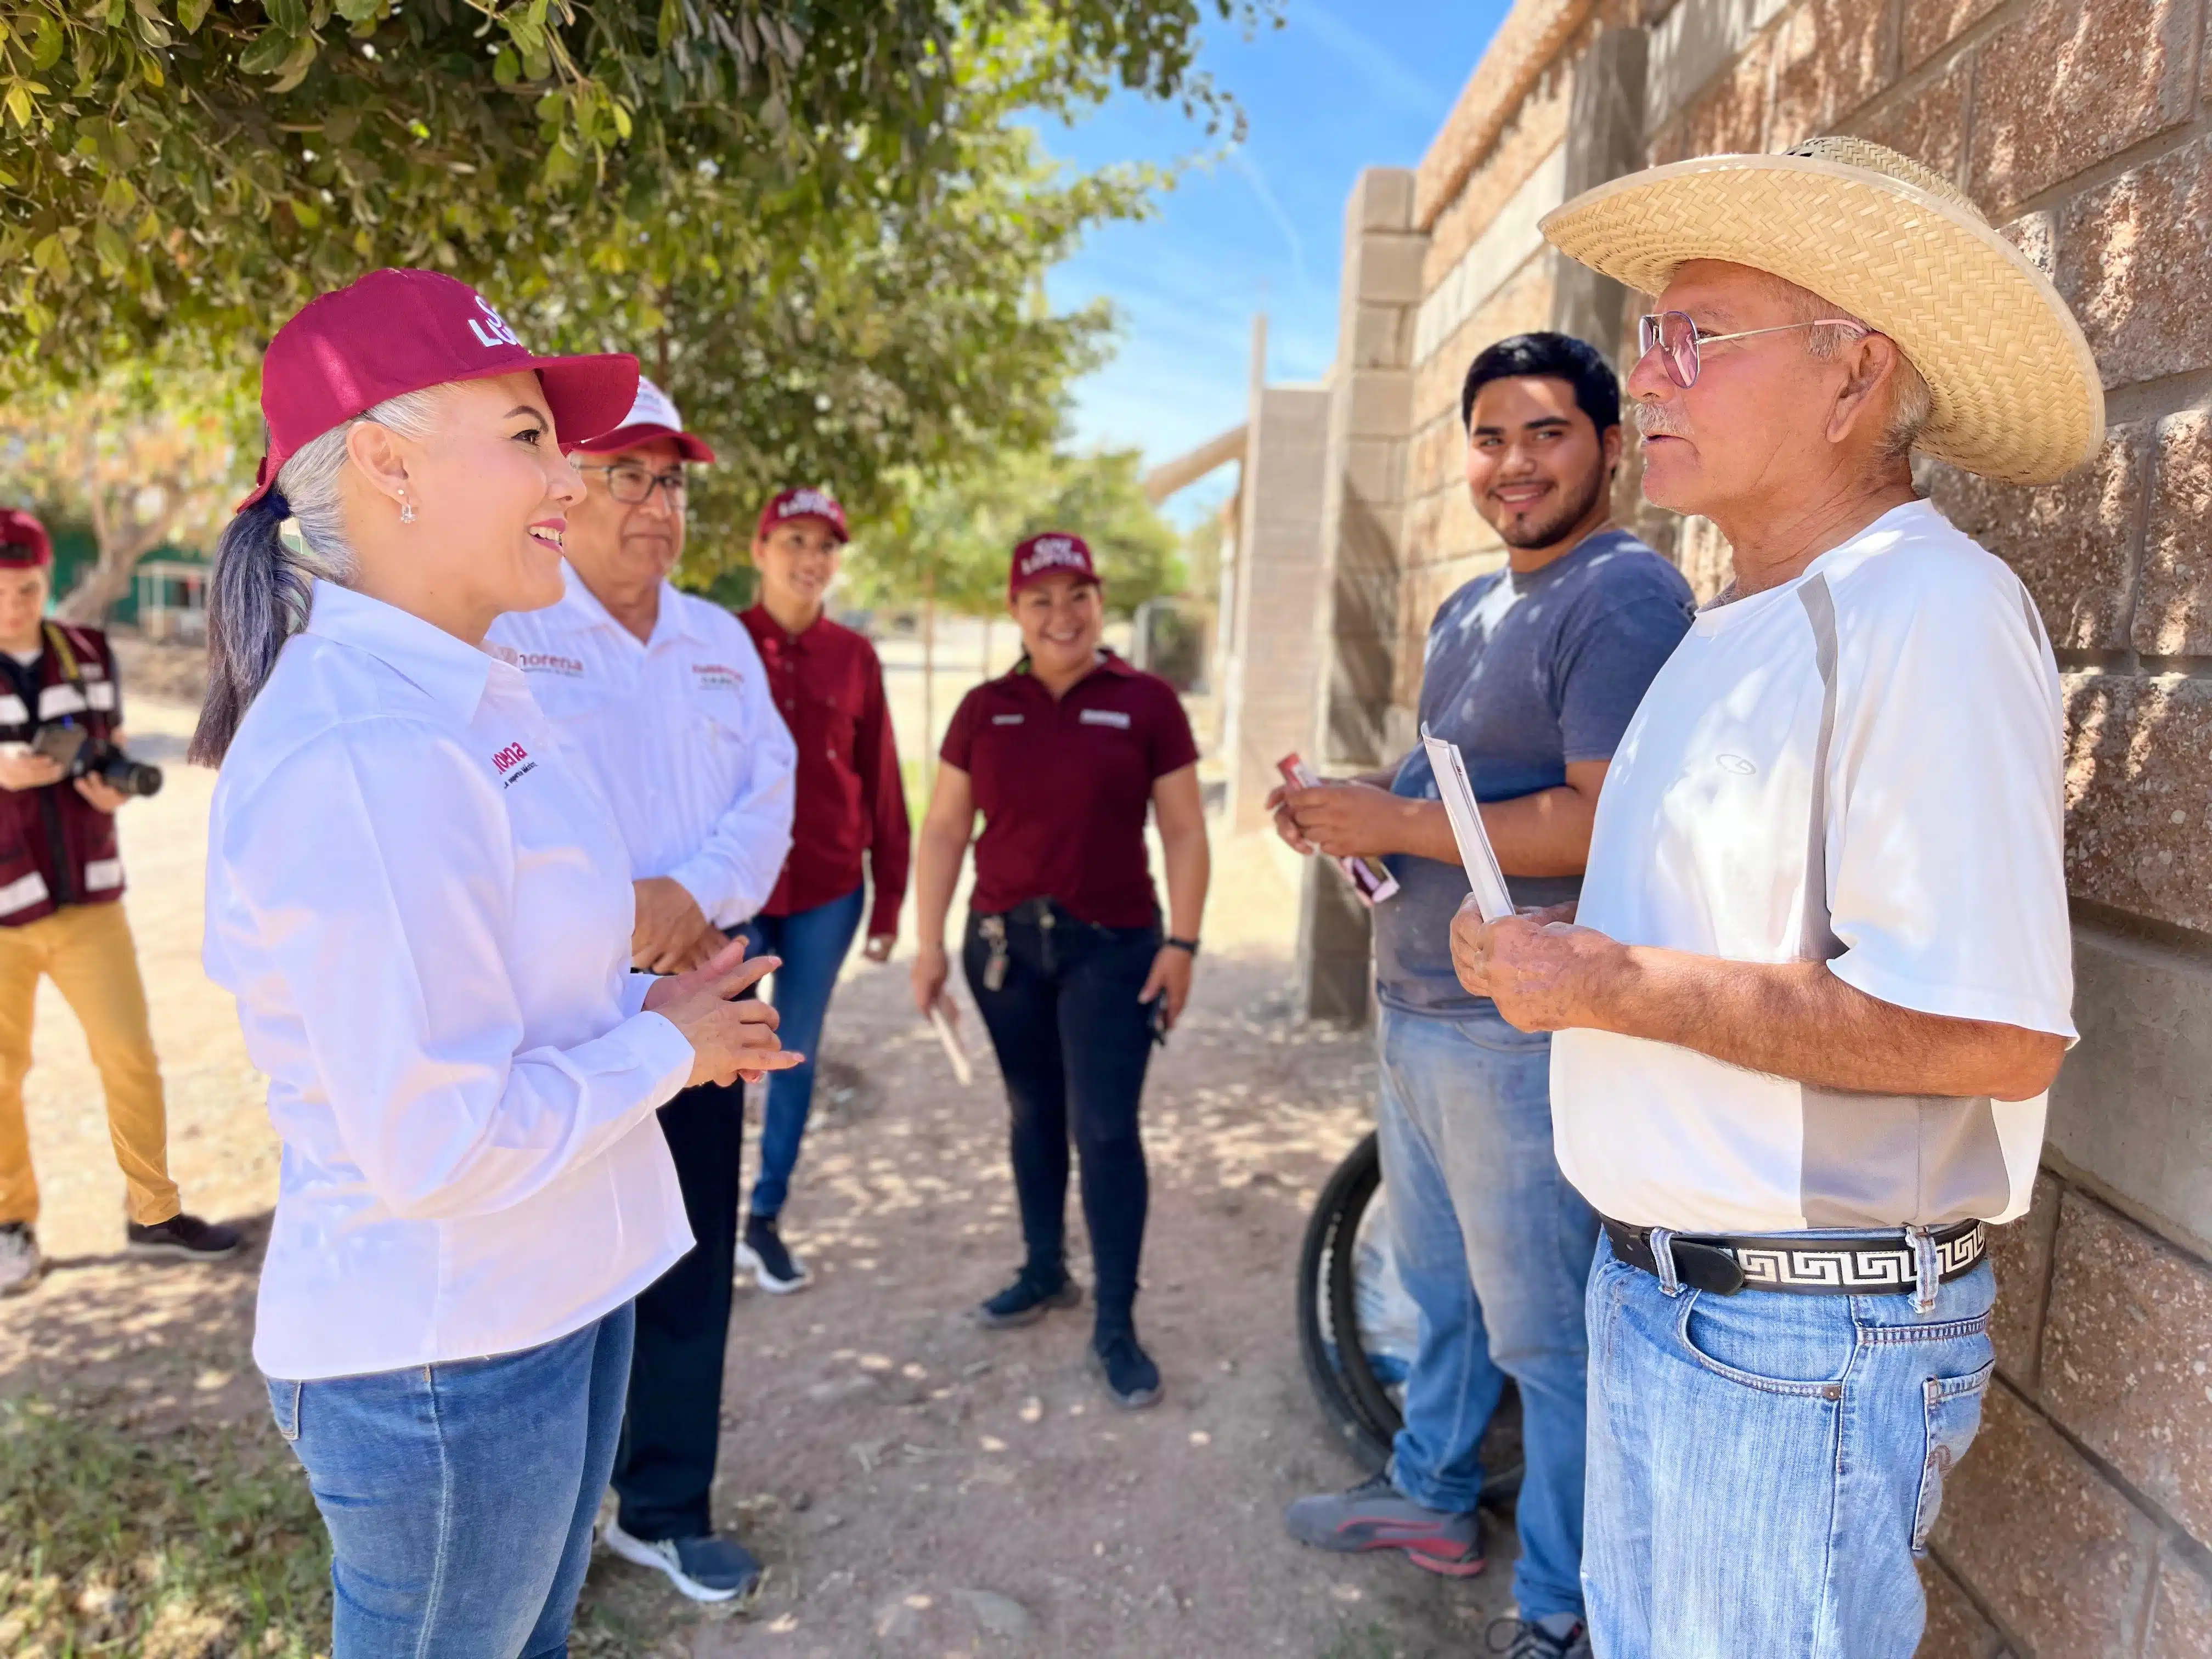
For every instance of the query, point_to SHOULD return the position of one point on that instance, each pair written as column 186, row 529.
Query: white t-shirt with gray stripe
column 1864, row 765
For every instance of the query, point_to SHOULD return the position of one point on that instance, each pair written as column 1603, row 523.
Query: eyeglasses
column 632, row 485
column 1678, row 339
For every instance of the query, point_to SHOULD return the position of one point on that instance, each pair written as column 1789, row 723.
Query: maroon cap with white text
column 803, row 504
column 1048, row 555
column 396, row 331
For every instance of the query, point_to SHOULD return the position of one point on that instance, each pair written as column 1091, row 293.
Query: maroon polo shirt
column 1063, row 786
column 850, row 800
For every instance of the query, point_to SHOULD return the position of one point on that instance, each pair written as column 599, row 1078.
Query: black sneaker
column 1028, row 1299
column 705, row 1568
column 20, row 1264
column 762, row 1254
column 187, row 1237
column 1524, row 1638
column 1128, row 1370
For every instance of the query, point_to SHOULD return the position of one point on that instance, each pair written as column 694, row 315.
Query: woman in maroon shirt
column 829, row 687
column 1063, row 757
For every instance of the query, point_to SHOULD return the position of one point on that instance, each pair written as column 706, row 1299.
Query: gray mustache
column 1657, row 420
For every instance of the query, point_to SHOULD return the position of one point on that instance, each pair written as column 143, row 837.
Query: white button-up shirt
column 681, row 733
column 424, row 913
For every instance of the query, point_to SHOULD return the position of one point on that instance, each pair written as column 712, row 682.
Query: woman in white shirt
column 425, row 916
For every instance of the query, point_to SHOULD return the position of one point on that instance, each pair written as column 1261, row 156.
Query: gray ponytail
column 260, row 589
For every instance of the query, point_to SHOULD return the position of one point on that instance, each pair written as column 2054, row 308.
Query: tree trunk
column 110, row 575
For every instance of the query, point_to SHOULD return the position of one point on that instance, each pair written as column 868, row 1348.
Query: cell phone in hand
column 1157, row 1010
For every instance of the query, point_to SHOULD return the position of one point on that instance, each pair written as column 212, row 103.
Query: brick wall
column 2081, row 1524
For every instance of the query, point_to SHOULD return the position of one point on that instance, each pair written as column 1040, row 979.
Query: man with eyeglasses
column 1820, row 977
column 662, row 698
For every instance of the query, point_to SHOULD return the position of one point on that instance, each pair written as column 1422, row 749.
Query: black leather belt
column 1803, row 1264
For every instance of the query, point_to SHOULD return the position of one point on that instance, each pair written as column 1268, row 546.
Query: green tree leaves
column 473, row 135
column 954, row 539
column 823, row 224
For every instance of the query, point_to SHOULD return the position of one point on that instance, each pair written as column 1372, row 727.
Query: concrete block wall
column 1278, row 592
column 1362, row 532
column 2080, row 1525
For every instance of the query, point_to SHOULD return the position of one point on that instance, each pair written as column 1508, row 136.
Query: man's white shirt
column 422, row 910
column 1863, row 766
column 681, row 732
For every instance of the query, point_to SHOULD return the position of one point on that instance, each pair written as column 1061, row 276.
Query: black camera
column 79, row 758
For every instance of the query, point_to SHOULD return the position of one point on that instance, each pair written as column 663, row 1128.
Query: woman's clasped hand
column 729, row 1039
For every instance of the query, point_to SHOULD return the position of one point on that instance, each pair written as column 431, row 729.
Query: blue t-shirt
column 1524, row 672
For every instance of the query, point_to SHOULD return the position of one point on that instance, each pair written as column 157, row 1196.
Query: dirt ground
column 917, row 1486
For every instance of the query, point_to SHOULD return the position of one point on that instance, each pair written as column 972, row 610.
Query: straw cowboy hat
column 2015, row 391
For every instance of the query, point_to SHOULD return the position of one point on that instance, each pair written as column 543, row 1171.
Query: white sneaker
column 20, row 1264
column 705, row 1569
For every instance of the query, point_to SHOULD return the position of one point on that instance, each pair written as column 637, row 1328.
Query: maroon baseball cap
column 24, row 545
column 396, row 331
column 1048, row 554
column 803, row 504
column 652, row 416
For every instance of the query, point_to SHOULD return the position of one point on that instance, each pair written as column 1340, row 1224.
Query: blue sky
column 1343, row 85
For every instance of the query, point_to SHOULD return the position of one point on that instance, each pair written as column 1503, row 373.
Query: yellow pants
column 86, row 950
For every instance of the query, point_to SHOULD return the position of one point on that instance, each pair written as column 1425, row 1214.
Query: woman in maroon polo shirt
column 829, row 687
column 1064, row 950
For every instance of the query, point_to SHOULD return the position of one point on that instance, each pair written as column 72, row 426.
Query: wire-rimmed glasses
column 1678, row 338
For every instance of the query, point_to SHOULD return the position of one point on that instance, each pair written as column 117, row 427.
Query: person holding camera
column 63, row 776
column 661, row 697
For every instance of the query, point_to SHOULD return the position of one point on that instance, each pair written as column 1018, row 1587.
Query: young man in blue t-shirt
column 1533, row 670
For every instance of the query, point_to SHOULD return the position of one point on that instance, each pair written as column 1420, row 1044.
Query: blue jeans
column 1494, row 1247
column 460, row 1497
column 813, row 944
column 1765, row 1467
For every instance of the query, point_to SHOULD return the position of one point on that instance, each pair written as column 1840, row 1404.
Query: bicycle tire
column 1343, row 1199
column 1353, row 1399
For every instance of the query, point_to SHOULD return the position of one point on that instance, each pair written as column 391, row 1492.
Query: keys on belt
column 1803, row 1264
column 994, row 929
column 1039, row 912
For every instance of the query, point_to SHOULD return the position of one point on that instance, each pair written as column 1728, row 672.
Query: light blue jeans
column 1494, row 1247
column 459, row 1498
column 1765, row 1467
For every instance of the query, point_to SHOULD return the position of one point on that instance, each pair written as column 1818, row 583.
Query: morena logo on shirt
column 512, row 763
column 1050, row 552
column 718, row 675
column 548, row 662
column 1113, row 717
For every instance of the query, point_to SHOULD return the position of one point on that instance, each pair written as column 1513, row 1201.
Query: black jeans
column 1072, row 1042
column 666, row 1462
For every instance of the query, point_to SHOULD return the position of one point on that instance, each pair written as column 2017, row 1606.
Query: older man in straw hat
column 1820, row 975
